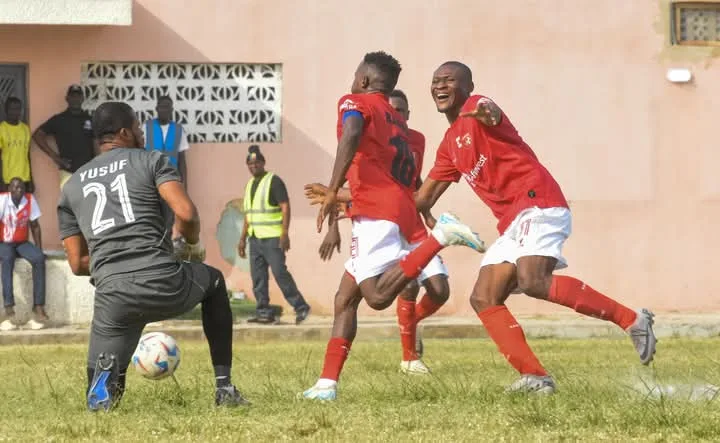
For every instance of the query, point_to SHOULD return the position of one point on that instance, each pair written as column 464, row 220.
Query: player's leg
column 261, row 280
column 494, row 284
column 344, row 330
column 405, row 309
column 275, row 256
column 379, row 292
column 206, row 285
column 542, row 237
column 109, row 352
column 434, row 279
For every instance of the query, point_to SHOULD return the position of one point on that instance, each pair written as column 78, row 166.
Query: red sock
column 408, row 327
column 509, row 337
column 425, row 308
column 413, row 263
column 574, row 294
column 335, row 356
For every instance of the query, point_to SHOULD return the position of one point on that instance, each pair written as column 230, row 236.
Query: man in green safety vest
column 267, row 220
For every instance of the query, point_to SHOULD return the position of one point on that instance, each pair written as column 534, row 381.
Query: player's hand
column 342, row 211
column 315, row 192
column 63, row 163
column 429, row 219
column 192, row 252
column 329, row 244
column 328, row 210
column 241, row 248
column 486, row 111
column 285, row 242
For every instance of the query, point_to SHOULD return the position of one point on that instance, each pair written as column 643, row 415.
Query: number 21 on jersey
column 99, row 224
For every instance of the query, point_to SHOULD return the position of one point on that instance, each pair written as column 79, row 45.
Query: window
column 215, row 103
column 696, row 24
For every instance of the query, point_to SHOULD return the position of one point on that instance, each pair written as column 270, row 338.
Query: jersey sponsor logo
column 463, row 141
column 348, row 105
column 472, row 176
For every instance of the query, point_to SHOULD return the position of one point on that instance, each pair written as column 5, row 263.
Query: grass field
column 41, row 397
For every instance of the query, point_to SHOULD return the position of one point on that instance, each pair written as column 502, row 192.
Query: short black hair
column 110, row 117
column 397, row 93
column 10, row 100
column 462, row 66
column 386, row 66
column 165, row 98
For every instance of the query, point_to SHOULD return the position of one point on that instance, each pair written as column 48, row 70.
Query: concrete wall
column 584, row 82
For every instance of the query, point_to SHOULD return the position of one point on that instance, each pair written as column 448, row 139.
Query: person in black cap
column 72, row 130
column 267, row 221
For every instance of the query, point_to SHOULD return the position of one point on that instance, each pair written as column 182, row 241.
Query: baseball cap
column 74, row 89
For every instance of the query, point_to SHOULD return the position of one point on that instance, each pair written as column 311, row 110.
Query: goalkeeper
column 112, row 214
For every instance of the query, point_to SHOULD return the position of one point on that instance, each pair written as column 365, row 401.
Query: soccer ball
column 157, row 356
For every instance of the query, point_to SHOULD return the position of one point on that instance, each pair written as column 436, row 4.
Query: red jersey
column 416, row 143
column 498, row 165
column 383, row 167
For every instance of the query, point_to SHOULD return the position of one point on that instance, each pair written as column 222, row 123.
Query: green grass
column 41, row 396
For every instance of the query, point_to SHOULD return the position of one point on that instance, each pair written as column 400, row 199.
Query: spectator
column 168, row 136
column 15, row 146
column 72, row 130
column 18, row 212
column 267, row 220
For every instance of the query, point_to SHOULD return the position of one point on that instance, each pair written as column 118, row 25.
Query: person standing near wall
column 15, row 146
column 267, row 222
column 72, row 130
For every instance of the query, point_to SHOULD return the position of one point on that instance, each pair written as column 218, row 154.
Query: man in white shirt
column 19, row 213
column 168, row 136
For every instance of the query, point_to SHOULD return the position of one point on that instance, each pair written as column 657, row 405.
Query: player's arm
column 76, row 248
column 353, row 125
column 427, row 196
column 78, row 257
column 187, row 220
column 331, row 242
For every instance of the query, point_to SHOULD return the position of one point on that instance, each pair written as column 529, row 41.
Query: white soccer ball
column 157, row 356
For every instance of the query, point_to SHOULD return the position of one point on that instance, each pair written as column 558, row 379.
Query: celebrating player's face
column 400, row 106
column 449, row 88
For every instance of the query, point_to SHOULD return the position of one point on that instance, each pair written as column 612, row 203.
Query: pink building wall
column 583, row 81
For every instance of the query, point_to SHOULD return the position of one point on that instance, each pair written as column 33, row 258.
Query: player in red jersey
column 483, row 147
column 433, row 276
column 373, row 157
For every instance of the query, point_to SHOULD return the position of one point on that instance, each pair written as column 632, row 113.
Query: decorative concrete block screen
column 216, row 103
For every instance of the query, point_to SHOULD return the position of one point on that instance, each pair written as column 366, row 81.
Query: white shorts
column 534, row 231
column 435, row 267
column 377, row 245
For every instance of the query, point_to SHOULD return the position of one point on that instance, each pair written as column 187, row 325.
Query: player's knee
column 483, row 298
column 379, row 302
column 535, row 285
column 410, row 292
column 438, row 289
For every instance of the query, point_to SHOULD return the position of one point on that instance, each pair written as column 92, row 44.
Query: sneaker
column 263, row 320
column 7, row 325
column 35, row 325
column 533, row 384
column 414, row 367
column 321, row 393
column 302, row 314
column 643, row 337
column 450, row 231
column 229, row 396
column 103, row 392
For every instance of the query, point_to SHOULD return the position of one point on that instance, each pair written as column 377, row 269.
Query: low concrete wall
column 68, row 300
